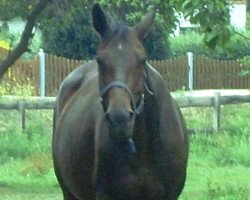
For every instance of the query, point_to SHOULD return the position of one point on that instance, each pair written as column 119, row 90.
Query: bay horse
column 118, row 133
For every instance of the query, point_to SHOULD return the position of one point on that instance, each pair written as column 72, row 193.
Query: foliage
column 6, row 36
column 156, row 43
column 77, row 39
column 68, row 22
column 213, row 18
column 4, row 44
column 11, row 9
column 71, row 36
column 10, row 40
column 16, row 89
column 188, row 42
column 246, row 63
column 237, row 47
column 155, row 46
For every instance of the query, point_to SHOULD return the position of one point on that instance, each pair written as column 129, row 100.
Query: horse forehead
column 127, row 48
column 124, row 49
column 120, row 51
column 119, row 48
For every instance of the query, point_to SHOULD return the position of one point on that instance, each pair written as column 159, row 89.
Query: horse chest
column 131, row 175
column 129, row 179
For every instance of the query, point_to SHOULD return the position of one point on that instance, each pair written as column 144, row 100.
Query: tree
column 216, row 31
column 25, row 38
column 248, row 14
column 77, row 39
column 69, row 33
column 248, row 6
column 211, row 16
column 11, row 9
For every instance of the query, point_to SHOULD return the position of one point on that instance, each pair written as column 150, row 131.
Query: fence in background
column 56, row 69
column 23, row 72
column 184, row 72
column 204, row 98
column 174, row 71
column 217, row 74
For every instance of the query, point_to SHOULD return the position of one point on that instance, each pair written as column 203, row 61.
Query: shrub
column 10, row 40
column 237, row 47
column 16, row 89
column 189, row 42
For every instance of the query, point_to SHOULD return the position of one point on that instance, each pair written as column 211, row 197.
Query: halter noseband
column 136, row 108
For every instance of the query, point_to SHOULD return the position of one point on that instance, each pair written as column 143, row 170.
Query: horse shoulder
column 172, row 123
column 71, row 84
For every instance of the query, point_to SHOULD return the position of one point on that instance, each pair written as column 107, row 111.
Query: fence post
column 21, row 108
column 217, row 111
column 190, row 57
column 41, row 56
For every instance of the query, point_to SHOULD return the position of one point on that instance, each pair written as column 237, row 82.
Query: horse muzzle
column 120, row 123
column 120, row 116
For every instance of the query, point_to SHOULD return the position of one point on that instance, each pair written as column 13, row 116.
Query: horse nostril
column 119, row 118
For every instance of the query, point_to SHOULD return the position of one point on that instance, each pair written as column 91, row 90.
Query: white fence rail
column 203, row 98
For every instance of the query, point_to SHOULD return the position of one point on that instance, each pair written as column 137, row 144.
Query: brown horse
column 118, row 134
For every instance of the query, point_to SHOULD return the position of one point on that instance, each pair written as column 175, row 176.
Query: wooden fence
column 216, row 74
column 56, row 69
column 204, row 98
column 207, row 74
column 23, row 72
column 174, row 71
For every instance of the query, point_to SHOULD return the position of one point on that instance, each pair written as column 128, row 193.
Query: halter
column 135, row 108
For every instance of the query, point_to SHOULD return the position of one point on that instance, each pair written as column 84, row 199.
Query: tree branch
column 242, row 35
column 25, row 37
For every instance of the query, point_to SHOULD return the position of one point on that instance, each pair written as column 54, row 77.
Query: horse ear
column 99, row 20
column 145, row 24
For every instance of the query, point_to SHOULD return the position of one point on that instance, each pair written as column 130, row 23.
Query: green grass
column 219, row 164
column 25, row 193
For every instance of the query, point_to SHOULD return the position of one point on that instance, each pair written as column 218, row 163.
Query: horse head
column 121, row 59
